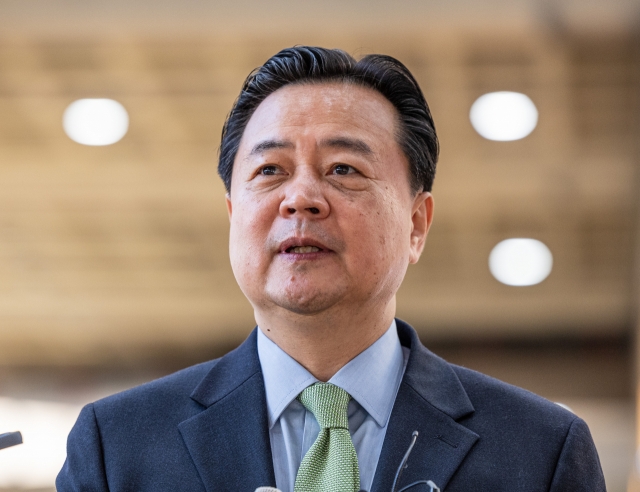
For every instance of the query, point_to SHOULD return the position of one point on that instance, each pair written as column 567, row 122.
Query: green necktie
column 331, row 464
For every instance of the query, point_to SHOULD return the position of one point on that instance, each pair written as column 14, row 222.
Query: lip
column 294, row 242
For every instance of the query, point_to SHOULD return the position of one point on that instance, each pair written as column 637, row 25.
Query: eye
column 270, row 170
column 343, row 169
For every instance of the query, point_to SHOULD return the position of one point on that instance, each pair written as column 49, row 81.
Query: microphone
column 10, row 439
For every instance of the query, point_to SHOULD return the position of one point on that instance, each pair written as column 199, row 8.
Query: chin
column 306, row 303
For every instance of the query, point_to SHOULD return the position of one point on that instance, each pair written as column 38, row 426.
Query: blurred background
column 114, row 266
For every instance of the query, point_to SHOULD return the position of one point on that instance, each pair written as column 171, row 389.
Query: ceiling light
column 504, row 116
column 520, row 261
column 44, row 427
column 95, row 121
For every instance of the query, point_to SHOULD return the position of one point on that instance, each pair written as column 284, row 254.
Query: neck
column 323, row 343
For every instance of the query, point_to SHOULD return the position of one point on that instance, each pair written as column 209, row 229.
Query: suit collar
column 430, row 400
column 229, row 439
column 229, row 373
column 429, row 375
column 432, row 377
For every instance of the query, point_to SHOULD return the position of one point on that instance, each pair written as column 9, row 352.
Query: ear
column 227, row 199
column 421, row 219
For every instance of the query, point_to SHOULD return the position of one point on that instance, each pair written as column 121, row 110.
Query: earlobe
column 227, row 199
column 421, row 220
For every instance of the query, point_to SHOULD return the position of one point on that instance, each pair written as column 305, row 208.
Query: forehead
column 317, row 108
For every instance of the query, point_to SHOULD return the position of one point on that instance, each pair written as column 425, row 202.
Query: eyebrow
column 271, row 144
column 345, row 143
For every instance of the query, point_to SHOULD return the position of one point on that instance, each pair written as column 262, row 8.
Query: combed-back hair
column 416, row 133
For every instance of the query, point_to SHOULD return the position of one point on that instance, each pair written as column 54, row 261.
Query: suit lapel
column 430, row 400
column 229, row 440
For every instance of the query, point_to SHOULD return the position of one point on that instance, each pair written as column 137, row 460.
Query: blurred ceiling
column 171, row 17
column 121, row 251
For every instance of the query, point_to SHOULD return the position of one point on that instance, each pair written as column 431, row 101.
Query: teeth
column 305, row 249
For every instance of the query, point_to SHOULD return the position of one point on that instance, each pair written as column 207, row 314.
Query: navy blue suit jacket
column 205, row 429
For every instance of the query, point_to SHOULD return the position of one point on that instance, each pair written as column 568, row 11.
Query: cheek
column 247, row 238
column 379, row 236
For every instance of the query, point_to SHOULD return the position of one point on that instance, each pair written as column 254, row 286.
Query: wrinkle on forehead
column 302, row 103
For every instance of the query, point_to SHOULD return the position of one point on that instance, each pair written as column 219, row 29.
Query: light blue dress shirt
column 372, row 379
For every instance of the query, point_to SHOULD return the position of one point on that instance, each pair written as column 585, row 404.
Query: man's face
column 321, row 210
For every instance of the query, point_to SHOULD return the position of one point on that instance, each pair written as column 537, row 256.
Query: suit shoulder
column 170, row 389
column 490, row 396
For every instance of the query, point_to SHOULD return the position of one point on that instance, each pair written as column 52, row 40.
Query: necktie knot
column 328, row 403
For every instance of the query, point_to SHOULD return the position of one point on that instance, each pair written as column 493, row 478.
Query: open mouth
column 303, row 249
column 303, row 246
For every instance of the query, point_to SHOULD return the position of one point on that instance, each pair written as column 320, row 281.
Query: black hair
column 307, row 64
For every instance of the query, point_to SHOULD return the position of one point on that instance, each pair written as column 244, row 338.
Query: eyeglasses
column 403, row 465
column 434, row 487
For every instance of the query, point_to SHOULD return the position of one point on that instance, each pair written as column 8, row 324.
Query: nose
column 304, row 199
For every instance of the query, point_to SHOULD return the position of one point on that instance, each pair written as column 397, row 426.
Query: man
column 328, row 165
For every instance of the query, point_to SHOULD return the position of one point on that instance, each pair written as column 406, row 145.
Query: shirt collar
column 284, row 377
column 372, row 378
